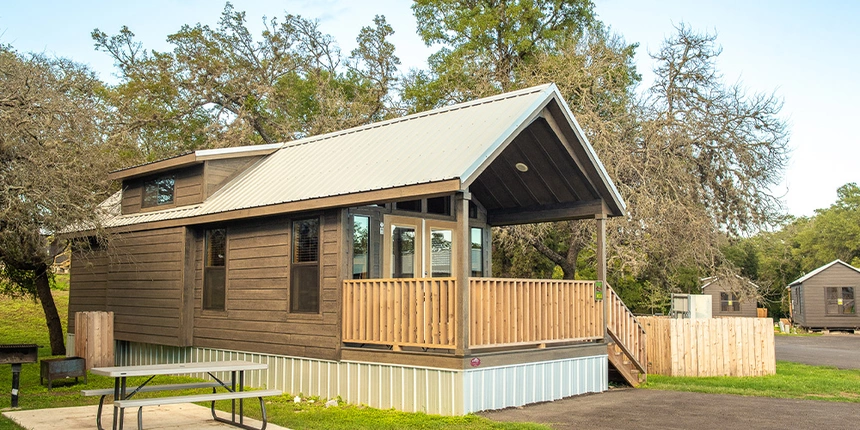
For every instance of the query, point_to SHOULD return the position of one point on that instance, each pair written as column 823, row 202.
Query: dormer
column 186, row 179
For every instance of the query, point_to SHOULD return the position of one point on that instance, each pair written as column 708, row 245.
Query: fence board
column 710, row 347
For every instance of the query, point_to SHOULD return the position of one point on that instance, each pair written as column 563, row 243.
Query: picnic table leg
column 241, row 401
column 233, row 402
column 122, row 396
column 116, row 395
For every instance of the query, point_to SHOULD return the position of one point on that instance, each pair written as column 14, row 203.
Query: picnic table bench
column 123, row 394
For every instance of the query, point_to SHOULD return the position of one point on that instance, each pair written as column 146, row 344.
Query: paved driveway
column 652, row 409
column 838, row 350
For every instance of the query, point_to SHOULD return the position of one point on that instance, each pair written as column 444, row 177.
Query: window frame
column 729, row 302
column 840, row 297
column 297, row 267
column 208, row 269
column 153, row 181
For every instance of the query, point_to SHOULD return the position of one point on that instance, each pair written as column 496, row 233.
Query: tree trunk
column 52, row 317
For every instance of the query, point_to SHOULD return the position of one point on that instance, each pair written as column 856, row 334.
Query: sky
column 806, row 53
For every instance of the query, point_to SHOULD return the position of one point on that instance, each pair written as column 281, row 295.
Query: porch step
column 619, row 360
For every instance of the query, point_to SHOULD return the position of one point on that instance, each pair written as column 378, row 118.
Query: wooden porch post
column 461, row 210
column 601, row 263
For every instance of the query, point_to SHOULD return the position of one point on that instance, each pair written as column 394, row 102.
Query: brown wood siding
column 218, row 172
column 257, row 298
column 87, row 283
column 748, row 307
column 145, row 285
column 813, row 290
column 188, row 190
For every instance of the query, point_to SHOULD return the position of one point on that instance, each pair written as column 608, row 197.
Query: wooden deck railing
column 507, row 312
column 626, row 330
column 400, row 312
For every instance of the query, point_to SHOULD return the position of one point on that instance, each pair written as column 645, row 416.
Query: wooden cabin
column 826, row 298
column 731, row 297
column 357, row 263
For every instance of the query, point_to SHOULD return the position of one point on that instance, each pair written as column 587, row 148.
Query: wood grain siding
column 748, row 306
column 145, row 285
column 188, row 190
column 218, row 172
column 87, row 282
column 257, row 299
column 813, row 296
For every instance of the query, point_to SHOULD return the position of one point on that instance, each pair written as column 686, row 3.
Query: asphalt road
column 630, row 408
column 838, row 350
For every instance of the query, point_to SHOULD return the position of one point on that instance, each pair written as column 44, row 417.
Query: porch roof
column 478, row 144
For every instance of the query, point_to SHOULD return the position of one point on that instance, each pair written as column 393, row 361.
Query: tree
column 53, row 168
column 485, row 43
column 224, row 87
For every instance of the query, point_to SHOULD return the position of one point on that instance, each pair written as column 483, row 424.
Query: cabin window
column 360, row 247
column 158, row 191
column 214, row 270
column 477, row 255
column 409, row 205
column 798, row 307
column 305, row 270
column 440, row 253
column 729, row 302
column 439, row 205
column 473, row 210
column 839, row 301
column 402, row 252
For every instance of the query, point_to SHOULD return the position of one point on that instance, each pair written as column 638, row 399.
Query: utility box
column 692, row 306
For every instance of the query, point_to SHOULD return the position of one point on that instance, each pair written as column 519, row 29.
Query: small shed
column 826, row 297
column 731, row 297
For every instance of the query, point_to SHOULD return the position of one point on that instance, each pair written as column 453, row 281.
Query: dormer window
column 158, row 191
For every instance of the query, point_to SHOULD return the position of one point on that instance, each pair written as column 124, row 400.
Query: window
column 473, row 210
column 402, row 252
column 409, row 205
column 305, row 270
column 440, row 253
column 439, row 205
column 729, row 302
column 157, row 192
column 360, row 247
column 477, row 256
column 795, row 297
column 839, row 301
column 214, row 270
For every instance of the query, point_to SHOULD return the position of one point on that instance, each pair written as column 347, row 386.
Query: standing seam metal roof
column 437, row 145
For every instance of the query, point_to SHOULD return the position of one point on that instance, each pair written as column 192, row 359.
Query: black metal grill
column 16, row 354
column 19, row 353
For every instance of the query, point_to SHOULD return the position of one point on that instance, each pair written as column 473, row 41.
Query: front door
column 418, row 248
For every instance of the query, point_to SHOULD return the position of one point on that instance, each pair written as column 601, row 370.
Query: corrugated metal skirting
column 406, row 388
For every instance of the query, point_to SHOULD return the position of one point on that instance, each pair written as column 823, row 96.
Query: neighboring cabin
column 356, row 263
column 731, row 298
column 826, row 298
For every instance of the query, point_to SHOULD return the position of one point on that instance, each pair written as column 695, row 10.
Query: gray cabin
column 826, row 297
column 731, row 297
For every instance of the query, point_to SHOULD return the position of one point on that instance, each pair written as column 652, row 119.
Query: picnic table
column 123, row 394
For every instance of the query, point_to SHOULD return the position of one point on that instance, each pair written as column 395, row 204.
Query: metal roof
column 803, row 278
column 437, row 145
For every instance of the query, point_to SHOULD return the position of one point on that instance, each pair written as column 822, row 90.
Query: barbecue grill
column 17, row 355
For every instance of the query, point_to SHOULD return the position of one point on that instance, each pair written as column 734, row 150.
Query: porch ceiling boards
column 553, row 187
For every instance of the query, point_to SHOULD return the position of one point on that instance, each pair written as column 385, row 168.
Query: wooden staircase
column 625, row 340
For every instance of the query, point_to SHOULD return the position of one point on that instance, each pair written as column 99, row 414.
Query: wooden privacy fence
column 710, row 347
column 508, row 312
column 400, row 312
column 627, row 331
column 94, row 338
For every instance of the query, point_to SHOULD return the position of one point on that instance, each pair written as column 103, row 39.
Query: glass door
column 419, row 248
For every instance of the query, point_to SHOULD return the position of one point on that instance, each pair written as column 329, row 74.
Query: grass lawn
column 791, row 381
column 22, row 321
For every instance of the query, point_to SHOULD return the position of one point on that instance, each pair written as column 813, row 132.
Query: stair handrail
column 614, row 328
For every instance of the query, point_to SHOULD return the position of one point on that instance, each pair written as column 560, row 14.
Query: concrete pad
column 182, row 416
